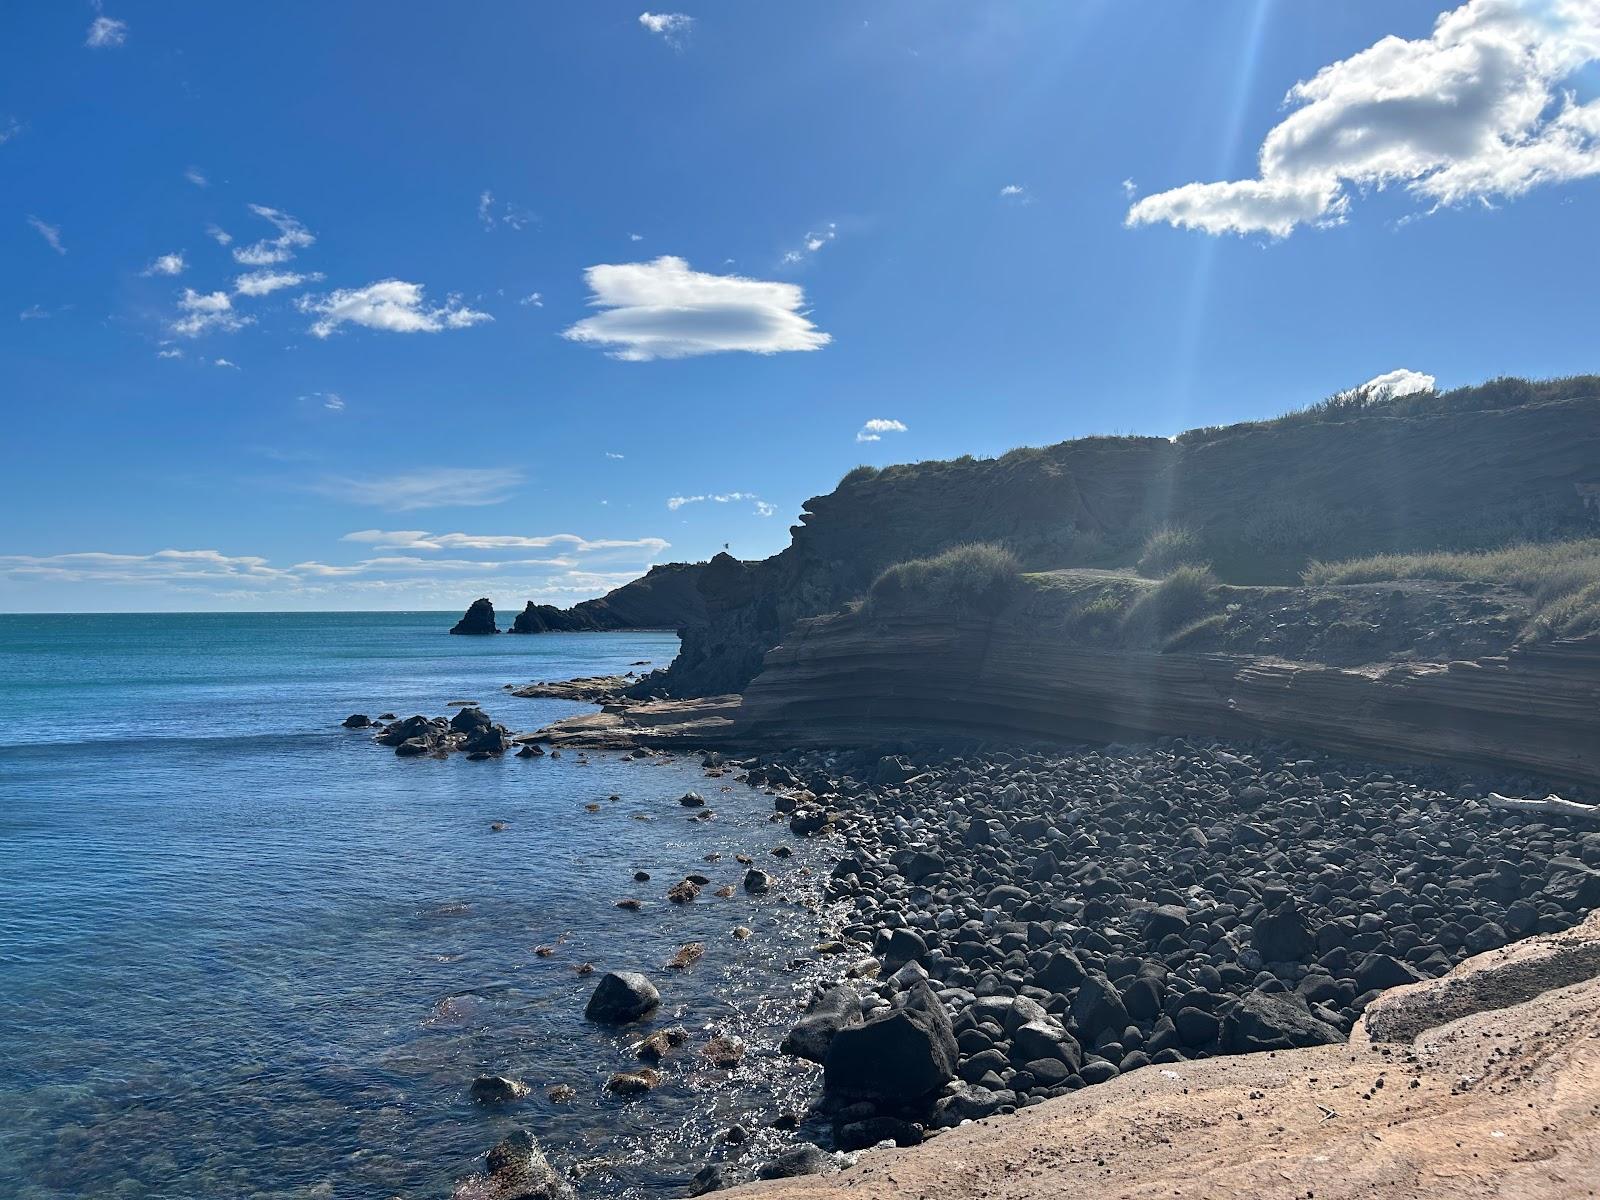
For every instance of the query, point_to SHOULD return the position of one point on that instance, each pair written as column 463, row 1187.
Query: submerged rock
column 497, row 1089
column 518, row 1170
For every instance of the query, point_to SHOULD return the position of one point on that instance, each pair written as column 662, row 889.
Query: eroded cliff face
column 857, row 679
column 1263, row 500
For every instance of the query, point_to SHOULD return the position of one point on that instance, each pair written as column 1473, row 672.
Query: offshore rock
column 478, row 619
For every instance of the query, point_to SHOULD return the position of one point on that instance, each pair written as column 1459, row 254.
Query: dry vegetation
column 1562, row 577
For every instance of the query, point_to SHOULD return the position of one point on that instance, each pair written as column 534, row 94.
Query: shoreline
column 1173, row 971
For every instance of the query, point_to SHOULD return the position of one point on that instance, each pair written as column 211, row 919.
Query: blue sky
column 517, row 298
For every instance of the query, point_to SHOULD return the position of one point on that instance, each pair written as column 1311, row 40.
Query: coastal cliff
column 666, row 597
column 1476, row 468
column 845, row 679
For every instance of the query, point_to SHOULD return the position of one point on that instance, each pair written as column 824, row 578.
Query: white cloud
column 263, row 282
column 422, row 540
column 221, row 236
column 673, row 28
column 433, row 487
column 535, row 299
column 610, row 454
column 391, row 305
column 874, row 429
column 197, row 177
column 167, row 264
column 106, row 32
column 333, row 402
column 663, row 309
column 210, row 312
column 292, row 236
column 170, row 352
column 1482, row 109
column 1130, row 189
column 1399, row 382
column 812, row 242
column 513, row 216
column 1016, row 193
column 9, row 128
column 50, row 233
column 636, row 237
column 222, row 362
column 762, row 508
column 34, row 312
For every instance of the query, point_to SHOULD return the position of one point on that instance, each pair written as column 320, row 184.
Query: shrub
column 979, row 577
column 1176, row 601
column 859, row 475
column 1167, row 548
column 1562, row 577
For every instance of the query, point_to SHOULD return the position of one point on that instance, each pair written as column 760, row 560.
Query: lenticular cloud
column 664, row 309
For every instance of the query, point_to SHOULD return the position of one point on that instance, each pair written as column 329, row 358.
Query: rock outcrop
column 666, row 597
column 478, row 619
column 846, row 680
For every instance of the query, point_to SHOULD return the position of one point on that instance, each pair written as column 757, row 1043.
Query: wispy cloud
column 292, row 236
column 533, row 299
column 9, row 128
column 610, row 454
column 422, row 540
column 197, row 177
column 811, row 243
column 392, row 305
column 1016, row 193
column 664, row 309
column 432, row 487
column 223, row 362
column 1487, row 107
column 761, row 507
column 332, row 401
column 874, row 429
column 34, row 312
column 169, row 352
column 493, row 215
column 219, row 235
column 50, row 233
column 672, row 28
column 266, row 281
column 167, row 264
column 206, row 312
column 106, row 32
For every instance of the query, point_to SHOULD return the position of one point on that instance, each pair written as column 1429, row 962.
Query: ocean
column 247, row 953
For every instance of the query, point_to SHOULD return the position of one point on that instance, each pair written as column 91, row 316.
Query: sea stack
column 479, row 618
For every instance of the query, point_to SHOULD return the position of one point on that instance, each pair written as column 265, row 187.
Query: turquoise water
column 245, row 952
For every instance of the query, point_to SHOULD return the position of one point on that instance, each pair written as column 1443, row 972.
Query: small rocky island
column 478, row 619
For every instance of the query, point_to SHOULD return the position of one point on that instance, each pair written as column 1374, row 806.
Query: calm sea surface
column 247, row 953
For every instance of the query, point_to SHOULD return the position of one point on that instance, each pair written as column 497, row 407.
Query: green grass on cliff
column 978, row 577
column 1562, row 577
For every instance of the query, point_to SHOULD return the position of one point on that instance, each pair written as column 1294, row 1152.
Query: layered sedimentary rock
column 667, row 597
column 1261, row 500
column 850, row 679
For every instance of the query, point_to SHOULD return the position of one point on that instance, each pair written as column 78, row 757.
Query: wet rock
column 530, row 751
column 683, row 892
column 709, row 1178
column 356, row 721
column 497, row 1089
column 634, row 1083
column 756, row 881
column 692, row 800
column 860, row 1135
column 518, row 1170
column 621, row 997
column 724, row 1052
column 829, row 1010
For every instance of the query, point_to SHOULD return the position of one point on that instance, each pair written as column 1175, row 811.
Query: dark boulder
column 478, row 619
column 1283, row 935
column 804, row 1159
column 829, row 1011
column 902, row 1057
column 1097, row 1007
column 356, row 721
column 1274, row 1021
column 620, row 997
